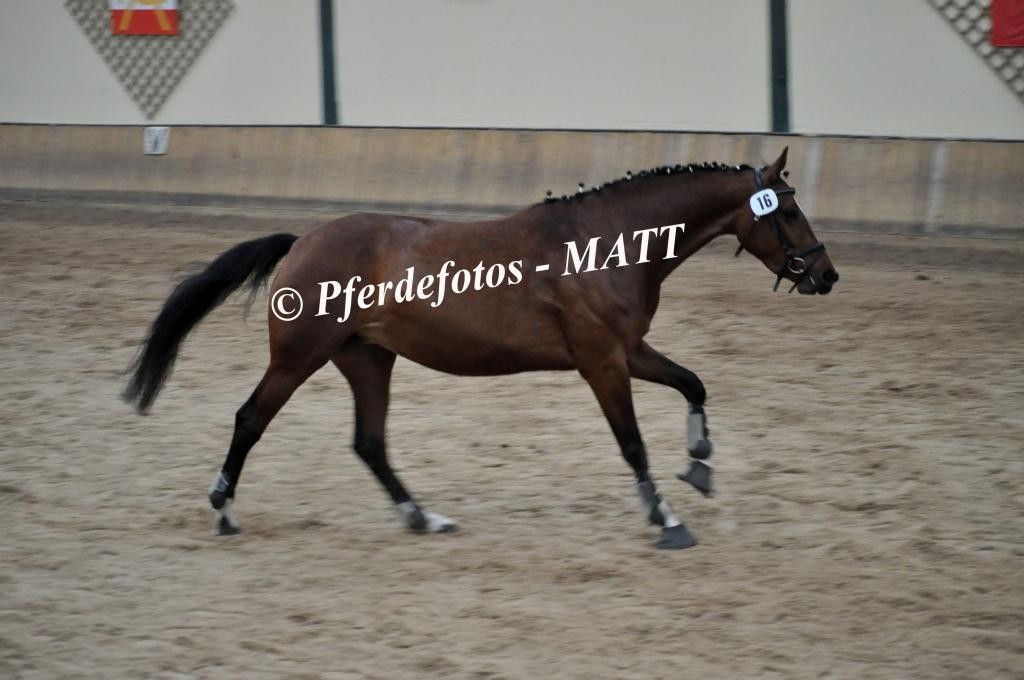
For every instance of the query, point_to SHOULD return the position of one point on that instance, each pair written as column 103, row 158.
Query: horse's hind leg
column 277, row 386
column 647, row 364
column 368, row 371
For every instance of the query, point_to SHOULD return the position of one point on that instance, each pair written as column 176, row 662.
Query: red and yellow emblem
column 144, row 17
column 1007, row 23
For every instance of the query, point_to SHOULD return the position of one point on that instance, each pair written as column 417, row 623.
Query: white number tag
column 764, row 202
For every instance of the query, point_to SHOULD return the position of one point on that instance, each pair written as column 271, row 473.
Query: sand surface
column 870, row 476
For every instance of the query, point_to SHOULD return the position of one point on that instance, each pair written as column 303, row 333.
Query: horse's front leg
column 647, row 364
column 609, row 379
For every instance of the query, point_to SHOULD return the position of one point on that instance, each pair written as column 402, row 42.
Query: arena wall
column 915, row 186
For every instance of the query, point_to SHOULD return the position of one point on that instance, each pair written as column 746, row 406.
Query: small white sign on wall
column 155, row 141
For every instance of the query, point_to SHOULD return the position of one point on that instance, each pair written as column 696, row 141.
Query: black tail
column 192, row 299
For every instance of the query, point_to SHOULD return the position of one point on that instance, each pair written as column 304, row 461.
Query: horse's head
column 772, row 226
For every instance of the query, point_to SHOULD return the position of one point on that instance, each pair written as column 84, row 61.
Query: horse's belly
column 480, row 345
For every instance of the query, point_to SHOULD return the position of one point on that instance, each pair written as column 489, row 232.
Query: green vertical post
column 779, row 46
column 327, row 61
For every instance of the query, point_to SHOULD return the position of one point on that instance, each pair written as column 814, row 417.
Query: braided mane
column 629, row 177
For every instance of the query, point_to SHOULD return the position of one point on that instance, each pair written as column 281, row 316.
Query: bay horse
column 592, row 321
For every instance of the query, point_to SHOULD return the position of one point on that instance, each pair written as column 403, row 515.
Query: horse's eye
column 791, row 213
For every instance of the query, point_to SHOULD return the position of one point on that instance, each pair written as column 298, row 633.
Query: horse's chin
column 811, row 287
column 807, row 287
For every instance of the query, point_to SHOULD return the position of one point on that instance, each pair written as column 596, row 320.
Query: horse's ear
column 774, row 171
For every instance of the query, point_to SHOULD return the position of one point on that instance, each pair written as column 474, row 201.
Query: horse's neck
column 700, row 203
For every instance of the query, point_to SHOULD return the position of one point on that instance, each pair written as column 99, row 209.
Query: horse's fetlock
column 649, row 497
column 415, row 518
column 218, row 500
column 221, row 491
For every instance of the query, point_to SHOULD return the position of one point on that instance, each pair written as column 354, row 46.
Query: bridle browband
column 795, row 262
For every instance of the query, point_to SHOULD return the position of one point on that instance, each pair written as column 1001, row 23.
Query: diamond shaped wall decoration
column 970, row 18
column 150, row 67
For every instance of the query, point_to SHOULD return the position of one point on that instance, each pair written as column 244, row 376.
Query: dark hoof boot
column 699, row 475
column 226, row 528
column 702, row 450
column 218, row 499
column 676, row 538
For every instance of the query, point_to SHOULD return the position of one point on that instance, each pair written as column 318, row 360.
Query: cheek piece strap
column 795, row 259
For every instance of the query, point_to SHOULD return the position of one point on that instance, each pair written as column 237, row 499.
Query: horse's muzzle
column 819, row 283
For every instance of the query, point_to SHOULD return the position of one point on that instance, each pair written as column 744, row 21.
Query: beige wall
column 870, row 67
column 892, row 67
column 261, row 67
column 917, row 186
column 645, row 64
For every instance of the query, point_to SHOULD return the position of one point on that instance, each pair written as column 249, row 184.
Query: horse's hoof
column 420, row 521
column 675, row 538
column 439, row 524
column 226, row 524
column 699, row 476
column 226, row 528
column 432, row 524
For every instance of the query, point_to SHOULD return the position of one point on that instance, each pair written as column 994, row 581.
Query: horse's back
column 471, row 304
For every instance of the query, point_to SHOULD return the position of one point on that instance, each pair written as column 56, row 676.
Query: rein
column 766, row 202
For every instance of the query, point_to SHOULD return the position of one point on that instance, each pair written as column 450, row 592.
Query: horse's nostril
column 830, row 276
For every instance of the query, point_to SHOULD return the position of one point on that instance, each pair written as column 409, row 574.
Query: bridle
column 795, row 262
